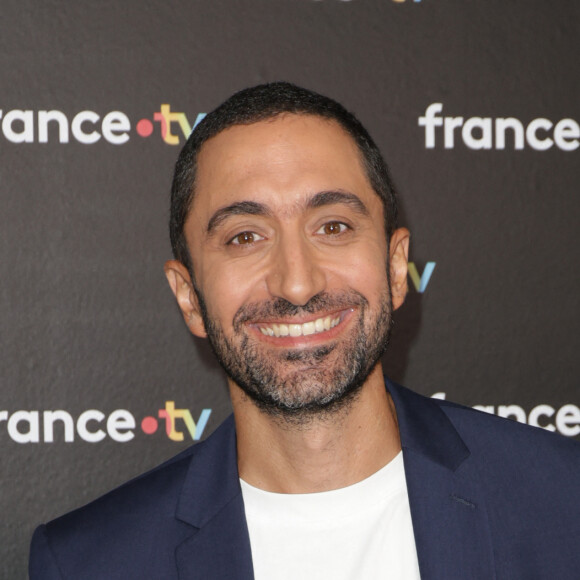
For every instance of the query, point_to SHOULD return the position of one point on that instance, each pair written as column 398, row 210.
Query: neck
column 334, row 451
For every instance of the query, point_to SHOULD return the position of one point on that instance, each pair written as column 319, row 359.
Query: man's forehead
column 285, row 147
column 278, row 129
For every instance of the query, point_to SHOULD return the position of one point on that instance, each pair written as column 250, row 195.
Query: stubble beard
column 297, row 385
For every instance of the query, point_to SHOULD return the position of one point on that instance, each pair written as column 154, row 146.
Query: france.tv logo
column 93, row 426
column 22, row 126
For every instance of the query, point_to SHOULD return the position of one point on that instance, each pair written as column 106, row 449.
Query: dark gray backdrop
column 87, row 319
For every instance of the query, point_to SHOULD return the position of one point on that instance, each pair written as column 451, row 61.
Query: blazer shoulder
column 98, row 539
column 523, row 465
column 520, row 481
column 133, row 528
column 499, row 446
column 162, row 483
column 481, row 429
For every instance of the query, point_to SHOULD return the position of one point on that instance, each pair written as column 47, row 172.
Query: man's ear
column 182, row 287
column 398, row 260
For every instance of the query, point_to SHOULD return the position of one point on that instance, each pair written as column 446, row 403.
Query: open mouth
column 316, row 326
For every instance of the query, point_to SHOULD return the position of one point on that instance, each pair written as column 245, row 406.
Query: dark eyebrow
column 321, row 199
column 344, row 197
column 239, row 208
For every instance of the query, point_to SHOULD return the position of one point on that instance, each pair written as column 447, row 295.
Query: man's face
column 290, row 259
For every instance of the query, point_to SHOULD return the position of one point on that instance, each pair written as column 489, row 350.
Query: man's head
column 258, row 104
column 289, row 259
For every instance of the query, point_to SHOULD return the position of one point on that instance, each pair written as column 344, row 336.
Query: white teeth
column 306, row 329
column 295, row 329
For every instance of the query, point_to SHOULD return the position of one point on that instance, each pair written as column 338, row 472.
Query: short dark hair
column 258, row 104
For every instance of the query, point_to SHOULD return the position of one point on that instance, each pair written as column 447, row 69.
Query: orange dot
column 144, row 127
column 149, row 425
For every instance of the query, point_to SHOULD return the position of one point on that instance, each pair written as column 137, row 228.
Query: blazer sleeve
column 42, row 565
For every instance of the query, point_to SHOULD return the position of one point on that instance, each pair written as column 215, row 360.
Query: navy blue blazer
column 489, row 498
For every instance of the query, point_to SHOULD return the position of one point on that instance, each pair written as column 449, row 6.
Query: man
column 289, row 260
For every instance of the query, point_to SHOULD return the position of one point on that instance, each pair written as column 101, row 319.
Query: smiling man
column 287, row 271
column 288, row 259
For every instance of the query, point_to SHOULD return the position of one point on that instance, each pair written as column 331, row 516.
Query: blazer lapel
column 447, row 505
column 211, row 501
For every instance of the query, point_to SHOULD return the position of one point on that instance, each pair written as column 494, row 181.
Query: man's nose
column 296, row 273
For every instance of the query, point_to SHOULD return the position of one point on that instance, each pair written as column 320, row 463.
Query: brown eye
column 245, row 238
column 332, row 228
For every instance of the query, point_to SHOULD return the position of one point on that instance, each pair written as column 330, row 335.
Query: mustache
column 281, row 308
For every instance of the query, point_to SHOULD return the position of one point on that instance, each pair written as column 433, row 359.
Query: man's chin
column 305, row 410
column 314, row 355
column 301, row 395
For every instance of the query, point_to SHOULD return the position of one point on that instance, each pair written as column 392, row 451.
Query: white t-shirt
column 360, row 532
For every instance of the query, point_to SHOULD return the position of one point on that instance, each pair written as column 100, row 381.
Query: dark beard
column 298, row 384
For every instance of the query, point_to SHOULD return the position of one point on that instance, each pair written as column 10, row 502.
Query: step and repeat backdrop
column 476, row 107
